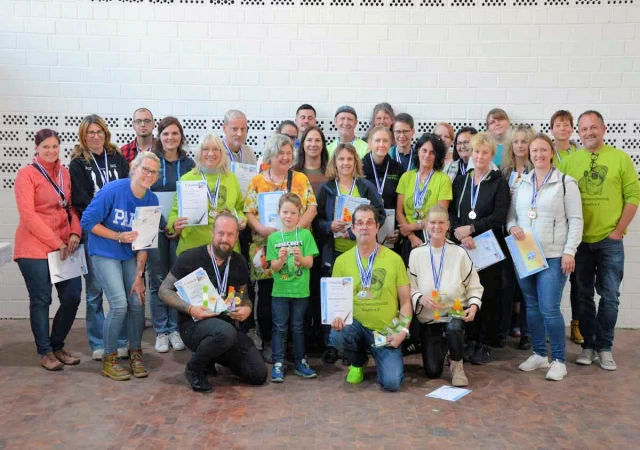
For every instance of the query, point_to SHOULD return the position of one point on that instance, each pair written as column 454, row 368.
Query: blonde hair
column 141, row 157
column 449, row 128
column 483, row 138
column 438, row 210
column 377, row 129
column 332, row 166
column 508, row 158
column 81, row 150
column 223, row 165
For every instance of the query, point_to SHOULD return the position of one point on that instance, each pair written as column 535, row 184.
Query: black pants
column 575, row 299
column 511, row 293
column 265, row 322
column 215, row 340
column 487, row 321
column 314, row 336
column 436, row 339
column 245, row 242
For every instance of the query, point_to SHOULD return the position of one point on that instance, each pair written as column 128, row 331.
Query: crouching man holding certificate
column 381, row 288
column 214, row 338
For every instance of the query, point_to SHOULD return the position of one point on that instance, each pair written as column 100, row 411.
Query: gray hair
column 224, row 165
column 233, row 114
column 273, row 146
column 141, row 157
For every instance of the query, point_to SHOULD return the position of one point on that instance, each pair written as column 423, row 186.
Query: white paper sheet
column 74, row 266
column 449, row 393
column 190, row 290
column 146, row 222
column 487, row 251
column 244, row 173
column 193, row 202
column 268, row 209
column 166, row 202
column 388, row 227
column 336, row 298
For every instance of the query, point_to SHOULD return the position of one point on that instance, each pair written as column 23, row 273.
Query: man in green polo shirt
column 381, row 304
column 346, row 121
column 610, row 196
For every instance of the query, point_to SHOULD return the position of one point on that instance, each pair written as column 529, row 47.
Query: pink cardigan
column 44, row 224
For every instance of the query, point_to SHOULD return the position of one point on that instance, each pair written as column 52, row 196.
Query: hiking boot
column 66, row 358
column 557, row 371
column 534, row 362
column 575, row 332
column 162, row 343
column 198, row 381
column 525, row 342
column 111, row 368
column 606, row 361
column 176, row 341
column 135, row 364
column 458, row 377
column 481, row 355
column 586, row 357
column 330, row 355
column 277, row 373
column 303, row 370
column 50, row 362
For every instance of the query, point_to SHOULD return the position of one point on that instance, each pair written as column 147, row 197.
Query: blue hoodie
column 114, row 207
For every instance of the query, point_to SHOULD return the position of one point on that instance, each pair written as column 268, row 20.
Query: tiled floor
column 77, row 408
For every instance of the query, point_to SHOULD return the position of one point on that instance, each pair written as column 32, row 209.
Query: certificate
column 388, row 227
column 336, row 299
column 190, row 290
column 527, row 255
column 74, row 266
column 345, row 206
column 244, row 173
column 146, row 221
column 268, row 209
column 166, row 202
column 193, row 202
column 448, row 393
column 487, row 251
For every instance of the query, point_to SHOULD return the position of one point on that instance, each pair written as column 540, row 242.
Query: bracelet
column 118, row 238
column 406, row 330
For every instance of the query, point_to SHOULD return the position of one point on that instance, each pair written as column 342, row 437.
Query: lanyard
column 231, row 154
column 418, row 194
column 463, row 167
column 558, row 153
column 474, row 195
column 222, row 284
column 106, row 167
column 282, row 234
column 213, row 198
column 164, row 175
column 437, row 274
column 59, row 188
column 399, row 159
column 375, row 174
column 536, row 191
column 366, row 275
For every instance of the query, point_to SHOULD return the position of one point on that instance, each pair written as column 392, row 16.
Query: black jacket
column 389, row 194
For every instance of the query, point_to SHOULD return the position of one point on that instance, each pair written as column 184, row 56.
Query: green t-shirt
column 605, row 188
column 389, row 273
column 291, row 281
column 341, row 245
column 439, row 189
column 560, row 155
column 362, row 148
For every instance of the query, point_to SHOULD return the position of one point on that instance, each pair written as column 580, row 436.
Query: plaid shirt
column 130, row 150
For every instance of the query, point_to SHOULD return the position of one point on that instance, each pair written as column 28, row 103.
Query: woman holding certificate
column 548, row 202
column 420, row 189
column 118, row 268
column 174, row 163
column 261, row 209
column 480, row 203
column 446, row 292
column 47, row 224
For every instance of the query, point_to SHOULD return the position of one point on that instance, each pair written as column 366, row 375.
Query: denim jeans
column 283, row 309
column 436, row 340
column 354, row 341
column 159, row 262
column 95, row 312
column 542, row 292
column 36, row 276
column 599, row 266
column 116, row 278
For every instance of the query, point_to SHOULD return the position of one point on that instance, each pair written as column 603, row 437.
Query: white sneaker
column 123, row 353
column 534, row 362
column 606, row 361
column 162, row 343
column 176, row 341
column 97, row 354
column 587, row 356
column 557, row 371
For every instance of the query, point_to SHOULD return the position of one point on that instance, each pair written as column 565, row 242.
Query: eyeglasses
column 368, row 224
column 401, row 132
column 142, row 121
column 293, row 138
column 462, row 143
column 147, row 172
column 594, row 160
column 93, row 134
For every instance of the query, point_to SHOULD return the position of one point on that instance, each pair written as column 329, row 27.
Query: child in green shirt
column 290, row 251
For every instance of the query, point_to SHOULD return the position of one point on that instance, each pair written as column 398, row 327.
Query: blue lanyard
column 536, row 191
column 418, row 194
column 463, row 166
column 399, row 159
column 231, row 155
column 164, row 175
column 558, row 153
column 375, row 174
column 353, row 185
column 437, row 275
column 366, row 274
column 222, row 284
column 213, row 198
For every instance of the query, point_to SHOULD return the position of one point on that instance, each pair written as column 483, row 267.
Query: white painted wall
column 60, row 60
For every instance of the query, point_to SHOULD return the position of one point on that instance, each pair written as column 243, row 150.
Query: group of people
column 442, row 192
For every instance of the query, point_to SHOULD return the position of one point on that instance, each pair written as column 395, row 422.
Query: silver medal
column 472, row 215
column 532, row 214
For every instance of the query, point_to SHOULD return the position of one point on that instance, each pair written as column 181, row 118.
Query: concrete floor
column 77, row 408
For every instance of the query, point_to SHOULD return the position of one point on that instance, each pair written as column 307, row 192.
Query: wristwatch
column 419, row 223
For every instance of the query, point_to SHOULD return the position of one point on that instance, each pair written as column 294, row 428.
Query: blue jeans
column 354, row 341
column 159, row 262
column 283, row 308
column 95, row 312
column 36, row 276
column 116, row 278
column 599, row 266
column 542, row 293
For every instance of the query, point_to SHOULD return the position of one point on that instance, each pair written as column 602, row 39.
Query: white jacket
column 558, row 223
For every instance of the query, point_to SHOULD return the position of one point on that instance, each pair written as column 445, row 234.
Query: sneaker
column 534, row 362
column 576, row 336
column 330, row 355
column 111, row 368
column 136, row 367
column 66, row 358
column 123, row 353
column 277, row 373
column 606, row 361
column 198, row 381
column 557, row 371
column 162, row 343
column 587, row 356
column 525, row 342
column 267, row 353
column 458, row 377
column 481, row 355
column 176, row 341
column 97, row 355
column 50, row 362
column 355, row 375
column 303, row 370
column 469, row 348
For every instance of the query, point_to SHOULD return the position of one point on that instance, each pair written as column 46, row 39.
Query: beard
column 221, row 252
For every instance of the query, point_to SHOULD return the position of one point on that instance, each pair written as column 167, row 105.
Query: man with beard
column 214, row 338
column 143, row 125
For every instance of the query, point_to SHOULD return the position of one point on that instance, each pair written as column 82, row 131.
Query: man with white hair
column 235, row 131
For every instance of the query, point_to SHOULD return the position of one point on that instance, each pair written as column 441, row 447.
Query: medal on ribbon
column 474, row 196
column 534, row 197
column 222, row 282
column 213, row 198
column 419, row 195
column 375, row 174
column 366, row 275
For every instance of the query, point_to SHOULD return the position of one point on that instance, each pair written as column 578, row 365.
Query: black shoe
column 345, row 361
column 330, row 355
column 481, row 355
column 197, row 380
column 410, row 349
column 499, row 342
column 525, row 343
column 469, row 348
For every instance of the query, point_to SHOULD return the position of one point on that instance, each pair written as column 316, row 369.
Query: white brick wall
column 73, row 57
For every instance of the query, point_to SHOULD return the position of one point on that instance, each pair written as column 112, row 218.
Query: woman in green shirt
column 212, row 165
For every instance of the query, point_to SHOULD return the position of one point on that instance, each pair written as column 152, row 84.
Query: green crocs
column 355, row 375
